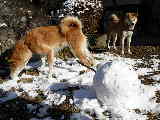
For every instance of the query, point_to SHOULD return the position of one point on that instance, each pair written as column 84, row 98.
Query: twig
column 86, row 66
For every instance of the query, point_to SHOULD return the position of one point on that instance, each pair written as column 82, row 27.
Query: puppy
column 46, row 40
column 122, row 27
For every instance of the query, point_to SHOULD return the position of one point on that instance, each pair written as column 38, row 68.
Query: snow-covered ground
column 70, row 74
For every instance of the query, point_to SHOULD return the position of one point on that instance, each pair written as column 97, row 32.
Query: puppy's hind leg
column 108, row 38
column 129, row 38
column 16, row 70
column 122, row 45
column 114, row 40
column 19, row 59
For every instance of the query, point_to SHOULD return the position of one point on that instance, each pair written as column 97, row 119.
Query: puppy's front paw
column 122, row 52
column 108, row 47
column 87, row 62
column 129, row 52
column 91, row 62
column 114, row 48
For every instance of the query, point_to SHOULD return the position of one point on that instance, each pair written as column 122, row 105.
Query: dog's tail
column 70, row 23
column 114, row 18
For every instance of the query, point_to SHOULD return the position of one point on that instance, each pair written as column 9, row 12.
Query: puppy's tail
column 70, row 23
column 114, row 18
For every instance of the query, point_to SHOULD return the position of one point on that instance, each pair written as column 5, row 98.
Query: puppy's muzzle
column 130, row 24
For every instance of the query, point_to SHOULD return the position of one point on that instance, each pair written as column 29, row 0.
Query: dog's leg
column 19, row 60
column 82, row 53
column 122, row 45
column 78, row 46
column 50, row 60
column 114, row 41
column 15, row 71
column 108, row 40
column 84, row 57
column 129, row 38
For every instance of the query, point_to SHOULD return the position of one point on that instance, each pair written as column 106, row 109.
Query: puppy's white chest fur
column 127, row 33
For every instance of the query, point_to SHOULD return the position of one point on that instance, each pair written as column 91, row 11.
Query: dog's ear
column 132, row 14
column 114, row 17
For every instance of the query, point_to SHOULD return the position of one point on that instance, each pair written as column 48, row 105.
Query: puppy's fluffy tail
column 70, row 23
column 114, row 18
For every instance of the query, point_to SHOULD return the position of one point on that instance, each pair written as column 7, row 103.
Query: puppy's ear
column 132, row 14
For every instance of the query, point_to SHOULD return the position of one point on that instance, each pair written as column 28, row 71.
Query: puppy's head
column 131, row 20
column 70, row 24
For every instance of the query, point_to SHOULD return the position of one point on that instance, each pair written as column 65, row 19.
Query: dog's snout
column 130, row 24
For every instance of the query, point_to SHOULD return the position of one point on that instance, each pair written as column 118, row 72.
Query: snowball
column 118, row 88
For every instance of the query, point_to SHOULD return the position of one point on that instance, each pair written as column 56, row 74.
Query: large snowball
column 117, row 87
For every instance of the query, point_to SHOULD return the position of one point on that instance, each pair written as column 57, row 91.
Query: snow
column 79, row 7
column 118, row 88
column 111, row 93
column 3, row 25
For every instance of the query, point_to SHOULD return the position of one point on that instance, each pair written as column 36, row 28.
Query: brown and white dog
column 122, row 27
column 45, row 40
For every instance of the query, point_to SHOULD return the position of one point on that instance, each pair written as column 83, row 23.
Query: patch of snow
column 116, row 82
column 3, row 25
column 70, row 6
column 156, row 77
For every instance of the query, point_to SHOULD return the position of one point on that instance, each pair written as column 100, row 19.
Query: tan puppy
column 122, row 27
column 44, row 40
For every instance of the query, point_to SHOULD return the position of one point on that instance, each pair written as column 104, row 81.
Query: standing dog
column 44, row 40
column 122, row 27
